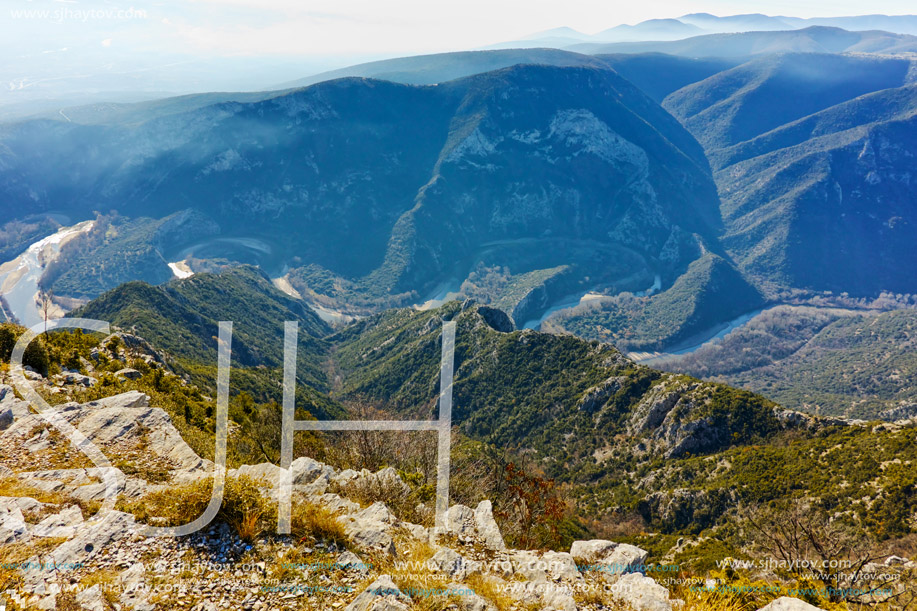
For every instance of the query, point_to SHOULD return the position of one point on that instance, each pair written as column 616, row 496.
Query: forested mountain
column 812, row 156
column 424, row 178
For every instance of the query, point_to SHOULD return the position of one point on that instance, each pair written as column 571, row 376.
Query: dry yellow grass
column 490, row 590
column 11, row 486
column 311, row 522
column 244, row 507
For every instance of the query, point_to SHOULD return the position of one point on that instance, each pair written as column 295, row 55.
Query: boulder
column 453, row 564
column 560, row 599
column 352, row 562
column 32, row 375
column 6, row 393
column 76, row 378
column 377, row 512
column 11, row 407
column 13, row 528
column 641, row 593
column 129, row 373
column 542, row 595
column 487, row 528
column 337, row 504
column 460, row 522
column 369, row 529
column 133, row 398
column 529, row 565
column 561, row 566
column 608, row 558
column 306, row 470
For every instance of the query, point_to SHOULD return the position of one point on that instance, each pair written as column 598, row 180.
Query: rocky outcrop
column 608, row 559
column 641, row 593
column 486, row 527
column 11, row 407
column 498, row 320
column 13, row 528
column 122, row 425
column 63, row 524
column 477, row 524
column 683, row 507
column 137, row 346
column 89, row 540
column 453, row 564
column 598, row 395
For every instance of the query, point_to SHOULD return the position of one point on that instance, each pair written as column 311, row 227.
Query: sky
column 86, row 50
column 355, row 27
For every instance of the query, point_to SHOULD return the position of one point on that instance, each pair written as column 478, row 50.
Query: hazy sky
column 93, row 49
column 358, row 27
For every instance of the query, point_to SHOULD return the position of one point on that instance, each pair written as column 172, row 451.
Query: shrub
column 244, row 507
column 311, row 522
column 36, row 355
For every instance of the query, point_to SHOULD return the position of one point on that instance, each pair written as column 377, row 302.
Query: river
column 19, row 278
column 696, row 341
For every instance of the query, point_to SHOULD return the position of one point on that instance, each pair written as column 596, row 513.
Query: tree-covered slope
column 625, row 440
column 182, row 318
column 680, row 453
column 709, row 292
column 813, row 160
column 372, row 193
column 736, row 105
column 830, row 361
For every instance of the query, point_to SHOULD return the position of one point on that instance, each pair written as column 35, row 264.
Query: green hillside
column 624, row 440
column 182, row 317
column 709, row 292
column 812, row 158
column 833, row 362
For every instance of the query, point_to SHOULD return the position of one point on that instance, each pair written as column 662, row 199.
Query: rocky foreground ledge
column 53, row 557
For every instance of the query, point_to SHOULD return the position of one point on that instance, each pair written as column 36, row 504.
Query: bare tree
column 808, row 543
column 46, row 302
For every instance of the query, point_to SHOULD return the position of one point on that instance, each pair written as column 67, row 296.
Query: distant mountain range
column 697, row 24
column 813, row 39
